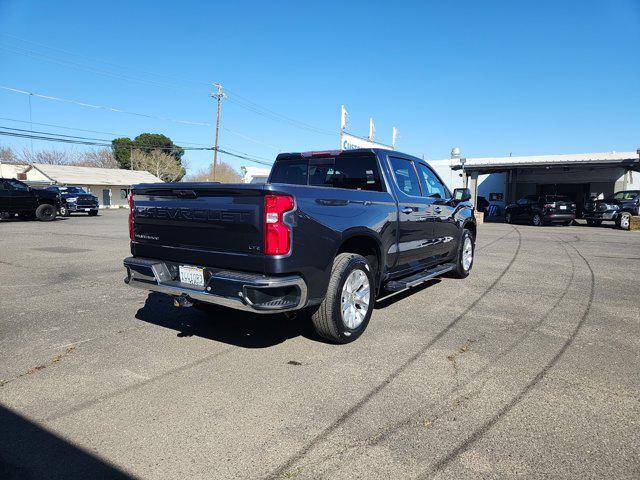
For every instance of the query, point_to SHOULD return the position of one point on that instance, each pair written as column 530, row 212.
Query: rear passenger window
column 354, row 173
column 406, row 177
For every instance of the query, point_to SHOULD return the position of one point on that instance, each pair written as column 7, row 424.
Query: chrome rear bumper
column 239, row 290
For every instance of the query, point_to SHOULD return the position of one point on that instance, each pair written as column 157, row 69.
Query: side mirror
column 461, row 195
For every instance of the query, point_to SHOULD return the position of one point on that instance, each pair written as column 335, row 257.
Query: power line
column 146, row 115
column 78, row 140
column 241, row 101
column 179, row 142
column 103, row 107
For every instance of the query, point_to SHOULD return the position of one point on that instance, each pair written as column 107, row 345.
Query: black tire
column 567, row 223
column 624, row 221
column 93, row 213
column 536, row 220
column 5, row 215
column 64, row 211
column 508, row 218
column 327, row 319
column 46, row 212
column 460, row 271
column 594, row 223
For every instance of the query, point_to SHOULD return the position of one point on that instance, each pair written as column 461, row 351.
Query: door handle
column 407, row 210
column 437, row 209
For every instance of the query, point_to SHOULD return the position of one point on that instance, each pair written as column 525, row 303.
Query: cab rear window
column 342, row 171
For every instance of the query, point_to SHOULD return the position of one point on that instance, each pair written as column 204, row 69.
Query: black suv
column 27, row 202
column 541, row 209
column 75, row 199
column 617, row 208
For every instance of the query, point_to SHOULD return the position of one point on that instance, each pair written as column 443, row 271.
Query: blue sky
column 490, row 77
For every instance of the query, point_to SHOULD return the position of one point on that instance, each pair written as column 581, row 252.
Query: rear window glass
column 343, row 171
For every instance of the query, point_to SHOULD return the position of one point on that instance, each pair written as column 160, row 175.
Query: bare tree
column 49, row 157
column 163, row 166
column 102, row 158
column 225, row 173
column 7, row 155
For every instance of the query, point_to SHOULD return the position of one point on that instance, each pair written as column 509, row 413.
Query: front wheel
column 464, row 258
column 347, row 307
column 624, row 221
column 537, row 220
column 508, row 218
column 93, row 213
column 64, row 211
column 46, row 212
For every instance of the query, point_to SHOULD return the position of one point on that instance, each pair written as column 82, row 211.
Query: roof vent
column 455, row 152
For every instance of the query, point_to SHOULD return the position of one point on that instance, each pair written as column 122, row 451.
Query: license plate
column 192, row 275
column 563, row 207
column 87, row 209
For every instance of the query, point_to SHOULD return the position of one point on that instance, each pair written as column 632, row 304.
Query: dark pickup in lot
column 17, row 198
column 618, row 208
column 328, row 234
column 75, row 200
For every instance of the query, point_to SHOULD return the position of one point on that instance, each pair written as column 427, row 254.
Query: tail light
column 550, row 205
column 131, row 216
column 277, row 235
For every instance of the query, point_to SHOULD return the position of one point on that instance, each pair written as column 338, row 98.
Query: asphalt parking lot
column 527, row 369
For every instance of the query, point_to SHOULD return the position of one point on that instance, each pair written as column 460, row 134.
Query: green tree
column 122, row 151
column 148, row 142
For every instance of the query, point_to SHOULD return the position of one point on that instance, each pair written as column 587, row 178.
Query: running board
column 418, row 278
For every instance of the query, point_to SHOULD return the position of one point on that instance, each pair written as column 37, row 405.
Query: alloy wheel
column 467, row 254
column 355, row 297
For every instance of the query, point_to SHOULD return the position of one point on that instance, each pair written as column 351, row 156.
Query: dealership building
column 503, row 180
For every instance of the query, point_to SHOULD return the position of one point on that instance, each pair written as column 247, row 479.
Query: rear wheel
column 346, row 309
column 594, row 223
column 567, row 223
column 624, row 221
column 46, row 212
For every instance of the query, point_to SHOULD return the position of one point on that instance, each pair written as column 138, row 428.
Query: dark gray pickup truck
column 328, row 234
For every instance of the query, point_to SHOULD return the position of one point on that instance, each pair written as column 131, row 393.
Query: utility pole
column 219, row 96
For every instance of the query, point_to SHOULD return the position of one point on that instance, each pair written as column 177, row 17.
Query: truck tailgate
column 198, row 217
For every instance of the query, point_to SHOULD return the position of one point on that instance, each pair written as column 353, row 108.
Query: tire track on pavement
column 479, row 433
column 324, row 434
column 386, row 432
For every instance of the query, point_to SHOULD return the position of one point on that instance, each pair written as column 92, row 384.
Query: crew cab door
column 415, row 218
column 22, row 198
column 445, row 230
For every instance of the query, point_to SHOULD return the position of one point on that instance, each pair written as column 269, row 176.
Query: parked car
column 325, row 236
column 617, row 208
column 541, row 210
column 75, row 199
column 17, row 198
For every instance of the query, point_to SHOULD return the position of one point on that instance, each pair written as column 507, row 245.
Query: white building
column 110, row 185
column 503, row 180
column 255, row 174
